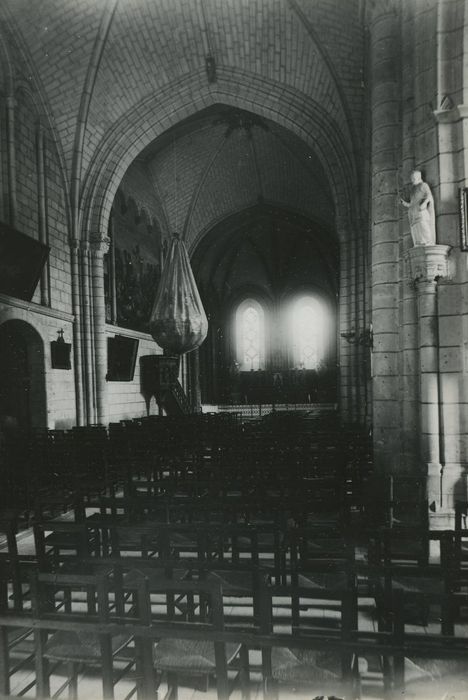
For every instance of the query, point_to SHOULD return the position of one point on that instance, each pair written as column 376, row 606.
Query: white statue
column 421, row 211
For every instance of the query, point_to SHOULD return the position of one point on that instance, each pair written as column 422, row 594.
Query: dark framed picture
column 463, row 194
column 60, row 354
column 121, row 358
column 21, row 262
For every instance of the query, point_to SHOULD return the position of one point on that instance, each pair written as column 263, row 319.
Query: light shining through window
column 250, row 335
column 308, row 333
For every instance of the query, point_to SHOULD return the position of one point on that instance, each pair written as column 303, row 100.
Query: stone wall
column 60, row 385
column 418, row 118
column 125, row 399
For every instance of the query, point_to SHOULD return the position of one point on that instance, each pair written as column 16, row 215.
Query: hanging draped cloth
column 178, row 321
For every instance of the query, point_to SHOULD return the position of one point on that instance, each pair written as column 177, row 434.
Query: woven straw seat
column 80, row 646
column 107, row 519
column 67, row 517
column 264, row 539
column 331, row 582
column 421, row 669
column 179, row 540
column 238, row 581
column 417, row 585
column 305, row 665
column 63, row 540
column 190, row 656
column 153, row 577
column 15, row 634
column 129, row 537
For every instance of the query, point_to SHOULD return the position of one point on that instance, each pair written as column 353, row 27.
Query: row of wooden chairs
column 94, row 461
column 304, row 634
column 393, row 544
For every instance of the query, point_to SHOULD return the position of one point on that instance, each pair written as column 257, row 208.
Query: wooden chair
column 75, row 606
column 16, row 648
column 58, row 540
column 230, row 554
column 310, row 545
column 9, row 528
column 185, row 649
column 404, row 561
column 436, row 653
column 306, row 629
column 461, row 543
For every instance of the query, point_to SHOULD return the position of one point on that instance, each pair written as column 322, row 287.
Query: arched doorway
column 22, row 377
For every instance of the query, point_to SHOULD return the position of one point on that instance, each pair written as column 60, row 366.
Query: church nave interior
column 233, row 349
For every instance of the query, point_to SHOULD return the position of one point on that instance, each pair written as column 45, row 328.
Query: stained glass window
column 308, row 333
column 250, row 335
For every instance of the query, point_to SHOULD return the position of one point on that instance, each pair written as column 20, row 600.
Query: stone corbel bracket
column 429, row 263
column 450, row 114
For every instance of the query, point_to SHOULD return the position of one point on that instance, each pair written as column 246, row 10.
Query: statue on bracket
column 421, row 213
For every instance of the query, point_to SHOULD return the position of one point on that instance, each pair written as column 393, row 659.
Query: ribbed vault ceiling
column 224, row 161
column 267, row 251
column 95, row 62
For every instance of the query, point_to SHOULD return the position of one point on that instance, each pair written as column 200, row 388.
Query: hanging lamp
column 178, row 322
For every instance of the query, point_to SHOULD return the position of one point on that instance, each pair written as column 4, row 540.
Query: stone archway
column 303, row 117
column 23, row 402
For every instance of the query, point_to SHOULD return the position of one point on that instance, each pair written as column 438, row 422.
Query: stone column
column 112, row 280
column 87, row 332
column 99, row 246
column 11, row 158
column 42, row 210
column 345, row 327
column 385, row 280
column 77, row 330
column 427, row 265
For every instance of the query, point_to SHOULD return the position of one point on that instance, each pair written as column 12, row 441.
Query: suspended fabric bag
column 178, row 321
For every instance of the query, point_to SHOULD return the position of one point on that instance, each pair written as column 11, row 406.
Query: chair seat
column 153, row 578
column 417, row 585
column 108, row 519
column 264, row 540
column 130, row 538
column 422, row 669
column 321, row 580
column 15, row 634
column 80, row 646
column 179, row 540
column 67, row 517
column 234, row 581
column 65, row 540
column 189, row 656
column 305, row 665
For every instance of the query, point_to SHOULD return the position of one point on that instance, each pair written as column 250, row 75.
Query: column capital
column 99, row 245
column 79, row 245
column 428, row 263
column 75, row 243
